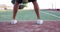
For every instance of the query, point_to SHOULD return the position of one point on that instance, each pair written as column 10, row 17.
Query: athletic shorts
column 20, row 1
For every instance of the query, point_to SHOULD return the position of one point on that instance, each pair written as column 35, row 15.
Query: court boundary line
column 50, row 14
column 29, row 20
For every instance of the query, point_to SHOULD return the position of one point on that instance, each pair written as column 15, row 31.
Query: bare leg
column 15, row 9
column 36, row 8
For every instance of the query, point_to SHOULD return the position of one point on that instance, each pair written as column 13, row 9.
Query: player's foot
column 13, row 21
column 40, row 21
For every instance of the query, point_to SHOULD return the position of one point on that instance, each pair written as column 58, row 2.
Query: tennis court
column 27, row 21
column 30, row 26
column 30, row 15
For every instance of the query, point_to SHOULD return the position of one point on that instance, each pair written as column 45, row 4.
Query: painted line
column 27, row 20
column 50, row 14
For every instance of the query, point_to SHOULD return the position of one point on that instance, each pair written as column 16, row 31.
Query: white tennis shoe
column 40, row 21
column 13, row 21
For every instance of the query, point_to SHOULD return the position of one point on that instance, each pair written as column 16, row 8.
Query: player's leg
column 15, row 9
column 36, row 8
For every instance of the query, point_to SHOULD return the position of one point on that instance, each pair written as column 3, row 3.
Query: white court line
column 50, row 14
column 27, row 20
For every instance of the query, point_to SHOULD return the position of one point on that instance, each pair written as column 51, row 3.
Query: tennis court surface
column 30, row 15
column 51, row 21
column 30, row 26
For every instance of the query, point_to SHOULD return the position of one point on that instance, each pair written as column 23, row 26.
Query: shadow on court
column 30, row 26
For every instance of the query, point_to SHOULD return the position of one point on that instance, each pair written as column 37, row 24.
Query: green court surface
column 30, row 15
